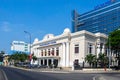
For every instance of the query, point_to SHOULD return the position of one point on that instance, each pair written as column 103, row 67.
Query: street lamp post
column 29, row 39
column 108, row 48
column 109, row 51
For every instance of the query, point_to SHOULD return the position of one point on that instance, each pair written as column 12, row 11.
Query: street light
column 108, row 48
column 109, row 51
column 30, row 39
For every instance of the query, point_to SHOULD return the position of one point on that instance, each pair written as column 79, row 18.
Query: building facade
column 20, row 46
column 65, row 49
column 5, row 60
column 104, row 18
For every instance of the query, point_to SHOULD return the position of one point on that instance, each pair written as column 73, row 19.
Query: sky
column 38, row 17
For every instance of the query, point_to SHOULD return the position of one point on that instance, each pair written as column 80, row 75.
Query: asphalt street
column 2, row 76
column 21, row 74
column 18, row 74
column 111, row 76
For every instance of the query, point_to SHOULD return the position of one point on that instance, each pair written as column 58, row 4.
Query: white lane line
column 93, row 78
column 4, row 75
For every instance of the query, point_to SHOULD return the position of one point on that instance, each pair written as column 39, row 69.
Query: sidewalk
column 72, row 71
column 68, row 71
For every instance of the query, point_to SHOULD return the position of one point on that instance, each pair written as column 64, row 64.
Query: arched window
column 52, row 52
column 57, row 51
column 45, row 52
column 41, row 52
column 76, row 48
column 48, row 52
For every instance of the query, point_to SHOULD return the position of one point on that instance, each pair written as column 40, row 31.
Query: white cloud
column 5, row 26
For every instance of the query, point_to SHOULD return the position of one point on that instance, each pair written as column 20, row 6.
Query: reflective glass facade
column 104, row 19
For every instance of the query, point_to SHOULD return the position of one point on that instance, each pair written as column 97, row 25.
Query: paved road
column 18, row 74
column 2, row 75
column 109, row 76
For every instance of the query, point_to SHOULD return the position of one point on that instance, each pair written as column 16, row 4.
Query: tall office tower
column 20, row 46
column 103, row 18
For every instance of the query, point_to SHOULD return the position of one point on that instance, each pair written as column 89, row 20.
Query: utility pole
column 29, row 41
column 108, row 47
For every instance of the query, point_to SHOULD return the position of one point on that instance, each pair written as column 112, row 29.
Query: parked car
column 34, row 66
column 43, row 66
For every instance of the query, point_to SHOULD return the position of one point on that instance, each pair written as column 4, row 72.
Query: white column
column 39, row 61
column 54, row 51
column 50, row 52
column 61, row 55
column 47, row 62
column 58, row 62
column 98, row 48
column 103, row 49
column 52, row 61
column 67, row 54
column 93, row 49
column 43, row 61
column 64, row 55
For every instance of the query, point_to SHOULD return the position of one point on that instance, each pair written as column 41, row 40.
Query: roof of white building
column 67, row 33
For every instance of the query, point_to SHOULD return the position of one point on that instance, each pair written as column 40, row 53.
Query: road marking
column 4, row 75
column 93, row 78
column 98, row 78
column 102, row 78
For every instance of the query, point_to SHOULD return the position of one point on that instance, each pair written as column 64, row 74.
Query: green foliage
column 19, row 57
column 2, row 52
column 114, row 39
column 34, row 58
column 90, row 58
column 103, row 60
column 1, row 55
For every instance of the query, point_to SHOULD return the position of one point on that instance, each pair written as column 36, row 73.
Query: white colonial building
column 63, row 50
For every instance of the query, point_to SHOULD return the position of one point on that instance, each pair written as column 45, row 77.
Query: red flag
column 30, row 56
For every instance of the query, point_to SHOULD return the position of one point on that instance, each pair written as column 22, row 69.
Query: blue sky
column 39, row 17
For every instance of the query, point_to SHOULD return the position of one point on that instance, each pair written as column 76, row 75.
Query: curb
column 69, row 71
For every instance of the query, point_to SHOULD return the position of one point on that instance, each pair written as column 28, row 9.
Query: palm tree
column 103, row 60
column 90, row 58
column 34, row 58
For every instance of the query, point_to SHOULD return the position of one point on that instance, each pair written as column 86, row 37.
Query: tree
column 19, row 57
column 90, row 58
column 114, row 42
column 2, row 52
column 114, row 39
column 1, row 55
column 34, row 58
column 103, row 60
column 23, row 57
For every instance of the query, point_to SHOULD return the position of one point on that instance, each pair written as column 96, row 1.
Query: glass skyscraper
column 104, row 18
